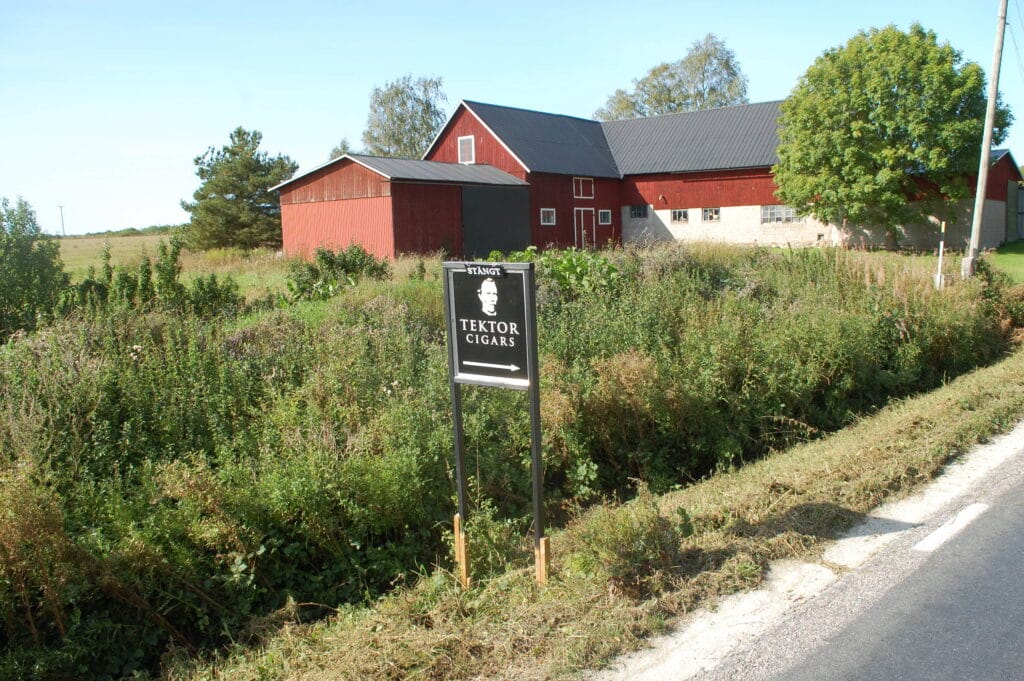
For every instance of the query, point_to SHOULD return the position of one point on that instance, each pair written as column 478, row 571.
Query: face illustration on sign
column 488, row 294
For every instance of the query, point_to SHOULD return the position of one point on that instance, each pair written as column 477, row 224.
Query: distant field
column 257, row 273
column 79, row 252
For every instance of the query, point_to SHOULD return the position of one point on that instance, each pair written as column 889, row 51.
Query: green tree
column 234, row 205
column 709, row 76
column 883, row 131
column 343, row 147
column 32, row 276
column 405, row 117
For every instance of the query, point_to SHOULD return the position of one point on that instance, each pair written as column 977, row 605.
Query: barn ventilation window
column 604, row 217
column 467, row 149
column 680, row 215
column 638, row 211
column 547, row 216
column 712, row 215
column 583, row 187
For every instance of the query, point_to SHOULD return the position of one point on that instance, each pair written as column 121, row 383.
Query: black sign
column 492, row 340
column 490, row 322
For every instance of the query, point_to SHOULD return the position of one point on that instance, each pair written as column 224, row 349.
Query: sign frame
column 469, row 364
column 465, row 292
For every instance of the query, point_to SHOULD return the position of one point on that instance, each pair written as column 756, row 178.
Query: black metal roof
column 743, row 136
column 414, row 170
column 550, row 143
column 434, row 171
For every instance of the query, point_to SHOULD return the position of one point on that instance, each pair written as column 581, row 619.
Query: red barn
column 395, row 206
column 502, row 178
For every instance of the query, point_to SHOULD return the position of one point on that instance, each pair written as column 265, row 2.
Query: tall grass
column 169, row 481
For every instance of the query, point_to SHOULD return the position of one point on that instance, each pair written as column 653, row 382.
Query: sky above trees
column 114, row 100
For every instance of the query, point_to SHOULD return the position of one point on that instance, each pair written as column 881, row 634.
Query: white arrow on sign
column 506, row 367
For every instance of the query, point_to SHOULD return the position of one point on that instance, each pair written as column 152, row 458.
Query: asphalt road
column 944, row 601
column 930, row 587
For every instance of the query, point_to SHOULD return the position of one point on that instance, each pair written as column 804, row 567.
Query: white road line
column 948, row 530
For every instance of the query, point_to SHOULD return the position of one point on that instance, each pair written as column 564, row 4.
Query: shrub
column 32, row 277
column 333, row 270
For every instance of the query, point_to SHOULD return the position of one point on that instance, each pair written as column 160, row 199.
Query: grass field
column 1010, row 259
column 258, row 273
column 79, row 252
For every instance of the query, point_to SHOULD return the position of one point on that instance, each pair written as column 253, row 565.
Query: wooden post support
column 461, row 556
column 542, row 555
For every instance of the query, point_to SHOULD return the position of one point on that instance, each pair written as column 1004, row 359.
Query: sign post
column 490, row 309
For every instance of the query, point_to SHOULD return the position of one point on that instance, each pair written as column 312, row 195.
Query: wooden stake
column 542, row 555
column 461, row 555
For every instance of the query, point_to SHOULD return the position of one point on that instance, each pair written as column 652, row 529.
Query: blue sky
column 106, row 104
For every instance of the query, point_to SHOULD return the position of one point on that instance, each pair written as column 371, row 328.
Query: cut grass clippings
column 660, row 557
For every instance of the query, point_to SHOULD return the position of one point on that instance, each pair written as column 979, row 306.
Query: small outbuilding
column 395, row 206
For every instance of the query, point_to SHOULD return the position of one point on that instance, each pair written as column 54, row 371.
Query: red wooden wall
column 427, row 218
column 341, row 204
column 556, row 191
column 753, row 187
column 488, row 149
column 343, row 180
column 338, row 224
column 999, row 177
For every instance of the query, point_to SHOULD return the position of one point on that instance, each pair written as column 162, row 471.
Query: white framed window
column 604, row 217
column 712, row 215
column 778, row 214
column 583, row 187
column 638, row 212
column 467, row 149
column 680, row 215
column 547, row 217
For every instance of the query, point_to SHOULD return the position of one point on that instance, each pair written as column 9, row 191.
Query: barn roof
column 412, row 170
column 434, row 171
column 549, row 143
column 731, row 137
column 743, row 136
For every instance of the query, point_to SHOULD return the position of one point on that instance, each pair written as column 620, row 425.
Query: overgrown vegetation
column 622, row 572
column 174, row 480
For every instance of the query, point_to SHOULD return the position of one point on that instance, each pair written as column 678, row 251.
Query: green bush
column 333, row 270
column 32, row 277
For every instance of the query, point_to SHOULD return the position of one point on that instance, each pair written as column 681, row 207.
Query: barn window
column 776, row 214
column 583, row 187
column 547, row 216
column 638, row 212
column 712, row 215
column 467, row 149
column 604, row 217
column 680, row 215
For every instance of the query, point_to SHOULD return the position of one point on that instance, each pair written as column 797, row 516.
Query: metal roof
column 435, row 171
column 550, row 143
column 743, row 136
column 408, row 169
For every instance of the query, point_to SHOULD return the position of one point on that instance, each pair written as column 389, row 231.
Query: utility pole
column 62, row 232
column 970, row 258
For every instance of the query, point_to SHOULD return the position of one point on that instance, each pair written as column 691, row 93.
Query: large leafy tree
column 884, row 131
column 32, row 276
column 708, row 76
column 234, row 205
column 405, row 117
